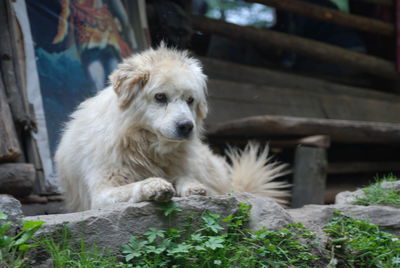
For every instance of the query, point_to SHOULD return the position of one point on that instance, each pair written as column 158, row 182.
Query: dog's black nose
column 184, row 128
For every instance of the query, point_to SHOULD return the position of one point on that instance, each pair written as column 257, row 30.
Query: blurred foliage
column 241, row 13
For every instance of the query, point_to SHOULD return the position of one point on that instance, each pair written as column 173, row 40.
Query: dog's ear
column 202, row 110
column 127, row 85
column 202, row 107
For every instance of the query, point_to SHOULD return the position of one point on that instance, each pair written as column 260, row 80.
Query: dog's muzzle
column 184, row 128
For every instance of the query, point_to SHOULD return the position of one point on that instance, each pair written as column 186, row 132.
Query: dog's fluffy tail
column 252, row 171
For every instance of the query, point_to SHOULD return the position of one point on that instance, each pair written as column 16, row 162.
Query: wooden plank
column 16, row 179
column 309, row 176
column 397, row 37
column 345, row 131
column 306, row 47
column 230, row 101
column 11, row 71
column 359, row 167
column 34, row 199
column 388, row 3
column 9, row 146
column 331, row 15
column 320, row 141
column 223, row 70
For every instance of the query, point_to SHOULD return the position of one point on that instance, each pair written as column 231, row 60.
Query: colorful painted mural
column 77, row 44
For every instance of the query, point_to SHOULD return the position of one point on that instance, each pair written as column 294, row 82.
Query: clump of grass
column 65, row 254
column 15, row 247
column 375, row 194
column 357, row 243
column 213, row 245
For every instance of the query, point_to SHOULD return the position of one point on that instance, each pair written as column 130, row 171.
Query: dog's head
column 162, row 91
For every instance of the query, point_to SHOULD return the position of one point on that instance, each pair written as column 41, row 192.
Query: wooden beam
column 306, row 47
column 11, row 70
column 362, row 167
column 319, row 141
column 387, row 3
column 9, row 146
column 309, row 176
column 224, row 70
column 231, row 100
column 397, row 37
column 33, row 156
column 331, row 15
column 16, row 179
column 345, row 131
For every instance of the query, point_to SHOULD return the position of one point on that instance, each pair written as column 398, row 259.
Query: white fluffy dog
column 139, row 140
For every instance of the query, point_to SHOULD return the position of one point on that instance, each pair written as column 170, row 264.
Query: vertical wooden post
column 397, row 19
column 33, row 156
column 11, row 69
column 310, row 169
column 10, row 149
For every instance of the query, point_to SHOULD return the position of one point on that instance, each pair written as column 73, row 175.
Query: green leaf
column 23, row 239
column 30, row 228
column 211, row 222
column 200, row 248
column 166, row 243
column 153, row 233
column 396, row 260
column 174, row 233
column 29, row 225
column 214, row 242
column 197, row 237
column 169, row 208
column 5, row 227
column 5, row 241
column 27, row 246
column 3, row 216
column 180, row 248
column 155, row 250
column 130, row 256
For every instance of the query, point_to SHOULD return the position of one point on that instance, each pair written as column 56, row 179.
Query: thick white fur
column 122, row 145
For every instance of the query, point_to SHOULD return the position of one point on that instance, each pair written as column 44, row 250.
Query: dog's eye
column 190, row 100
column 161, row 98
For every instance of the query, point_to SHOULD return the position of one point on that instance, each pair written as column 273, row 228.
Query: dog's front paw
column 194, row 189
column 157, row 189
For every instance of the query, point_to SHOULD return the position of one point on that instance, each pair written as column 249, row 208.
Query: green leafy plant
column 221, row 243
column 357, row 243
column 375, row 194
column 14, row 247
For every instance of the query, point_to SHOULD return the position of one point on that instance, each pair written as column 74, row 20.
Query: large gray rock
column 11, row 207
column 314, row 217
column 265, row 212
column 112, row 226
column 348, row 198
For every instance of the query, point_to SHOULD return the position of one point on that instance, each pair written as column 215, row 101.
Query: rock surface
column 314, row 217
column 348, row 198
column 265, row 212
column 112, row 226
column 11, row 207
